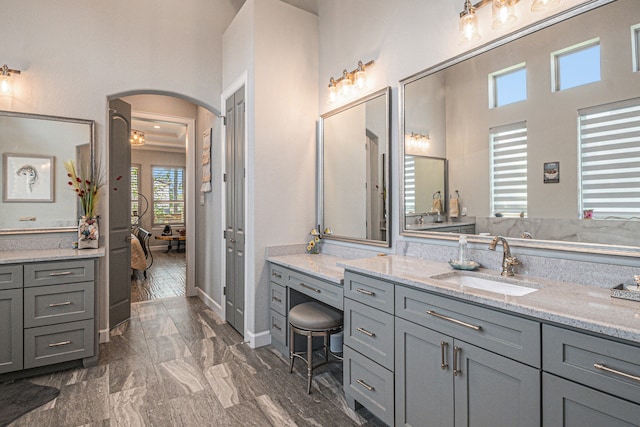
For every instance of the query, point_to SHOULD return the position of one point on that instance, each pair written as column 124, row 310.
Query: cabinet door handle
column 58, row 304
column 451, row 319
column 60, row 273
column 365, row 385
column 276, row 327
column 274, row 274
column 310, row 288
column 443, row 350
column 616, row 372
column 58, row 344
column 456, row 370
column 366, row 292
column 276, row 299
column 367, row 333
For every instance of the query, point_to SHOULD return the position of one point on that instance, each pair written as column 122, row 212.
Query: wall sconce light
column 5, row 81
column 502, row 12
column 136, row 138
column 417, row 141
column 349, row 83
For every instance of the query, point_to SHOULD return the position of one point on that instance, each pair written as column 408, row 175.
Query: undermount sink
column 486, row 282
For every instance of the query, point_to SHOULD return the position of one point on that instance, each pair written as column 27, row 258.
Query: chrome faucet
column 509, row 262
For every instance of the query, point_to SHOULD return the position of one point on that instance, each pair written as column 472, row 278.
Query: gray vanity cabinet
column 10, row 330
column 278, row 308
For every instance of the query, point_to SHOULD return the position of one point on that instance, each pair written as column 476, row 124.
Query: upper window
column 168, row 195
column 409, row 184
column 135, row 203
column 576, row 65
column 610, row 160
column 509, row 170
column 508, row 86
column 635, row 46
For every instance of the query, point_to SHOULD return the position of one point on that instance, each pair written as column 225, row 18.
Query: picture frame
column 28, row 178
column 551, row 174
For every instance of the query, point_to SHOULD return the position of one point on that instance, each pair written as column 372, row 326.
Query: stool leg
column 309, row 362
column 326, row 348
column 292, row 348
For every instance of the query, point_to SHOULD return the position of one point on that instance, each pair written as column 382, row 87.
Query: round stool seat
column 314, row 316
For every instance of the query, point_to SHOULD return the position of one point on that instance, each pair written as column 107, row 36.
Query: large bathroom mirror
column 36, row 195
column 353, row 181
column 550, row 130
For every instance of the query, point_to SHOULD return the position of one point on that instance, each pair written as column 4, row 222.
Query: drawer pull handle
column 443, row 349
column 456, row 371
column 367, row 333
column 276, row 299
column 58, row 304
column 310, row 288
column 365, row 385
column 61, row 273
column 366, row 292
column 274, row 274
column 276, row 327
column 613, row 371
column 456, row 321
column 58, row 344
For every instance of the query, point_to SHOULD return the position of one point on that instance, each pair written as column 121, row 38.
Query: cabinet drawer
column 55, row 273
column 278, row 299
column 505, row 334
column 10, row 276
column 369, row 384
column 47, row 305
column 46, row 345
column 369, row 331
column 370, row 291
column 317, row 289
column 278, row 274
column 278, row 327
column 573, row 355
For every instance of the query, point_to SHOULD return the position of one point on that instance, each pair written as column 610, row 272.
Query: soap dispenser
column 463, row 249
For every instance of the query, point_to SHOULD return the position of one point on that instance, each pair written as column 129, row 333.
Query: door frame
column 249, row 266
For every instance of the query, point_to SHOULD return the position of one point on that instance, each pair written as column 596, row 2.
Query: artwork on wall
column 551, row 172
column 206, row 161
column 28, row 178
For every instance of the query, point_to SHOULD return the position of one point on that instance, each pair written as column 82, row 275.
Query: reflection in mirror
column 425, row 187
column 497, row 152
column 354, row 168
column 42, row 142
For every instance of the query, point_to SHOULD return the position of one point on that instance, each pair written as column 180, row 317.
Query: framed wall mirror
column 36, row 194
column 353, row 171
column 508, row 116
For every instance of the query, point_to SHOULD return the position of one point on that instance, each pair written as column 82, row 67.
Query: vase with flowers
column 87, row 187
column 313, row 247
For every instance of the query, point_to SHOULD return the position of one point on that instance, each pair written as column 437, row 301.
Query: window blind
column 609, row 154
column 409, row 184
column 168, row 195
column 135, row 205
column 509, row 169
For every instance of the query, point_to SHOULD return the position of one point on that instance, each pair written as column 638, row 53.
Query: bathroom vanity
column 48, row 309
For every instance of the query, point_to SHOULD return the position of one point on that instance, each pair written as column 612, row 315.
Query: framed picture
column 551, row 172
column 28, row 178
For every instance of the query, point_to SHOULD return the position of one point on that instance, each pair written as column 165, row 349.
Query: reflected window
column 509, row 170
column 635, row 44
column 508, row 86
column 168, row 195
column 609, row 145
column 135, row 202
column 576, row 65
column 409, row 184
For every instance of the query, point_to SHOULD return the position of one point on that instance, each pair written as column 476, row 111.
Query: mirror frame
column 552, row 245
column 91, row 124
column 386, row 92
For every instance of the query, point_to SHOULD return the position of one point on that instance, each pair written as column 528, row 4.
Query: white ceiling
column 161, row 135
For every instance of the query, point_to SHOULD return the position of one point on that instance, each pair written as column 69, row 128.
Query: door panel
column 119, row 212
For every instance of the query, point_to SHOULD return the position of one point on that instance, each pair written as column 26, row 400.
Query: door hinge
column 224, row 120
column 224, row 234
column 224, row 177
column 224, row 291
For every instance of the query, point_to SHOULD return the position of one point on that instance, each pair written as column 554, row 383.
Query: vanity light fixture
column 544, row 5
column 5, row 82
column 417, row 141
column 349, row 83
column 136, row 138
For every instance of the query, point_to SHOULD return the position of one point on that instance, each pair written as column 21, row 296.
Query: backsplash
column 41, row 241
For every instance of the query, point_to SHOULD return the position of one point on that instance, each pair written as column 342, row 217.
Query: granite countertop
column 584, row 307
column 320, row 265
column 20, row 256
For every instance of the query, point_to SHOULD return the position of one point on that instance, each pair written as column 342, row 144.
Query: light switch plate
column 464, row 211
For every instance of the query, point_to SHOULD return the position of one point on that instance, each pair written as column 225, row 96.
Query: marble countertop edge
column 319, row 265
column 21, row 256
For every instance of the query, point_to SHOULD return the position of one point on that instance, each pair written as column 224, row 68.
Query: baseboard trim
column 210, row 302
column 258, row 340
column 103, row 336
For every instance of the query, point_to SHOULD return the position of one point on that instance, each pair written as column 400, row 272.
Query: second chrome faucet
column 509, row 262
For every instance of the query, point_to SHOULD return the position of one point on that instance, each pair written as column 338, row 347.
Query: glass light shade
column 543, row 5
column 345, row 87
column 360, row 78
column 333, row 93
column 5, row 85
column 469, row 28
column 503, row 12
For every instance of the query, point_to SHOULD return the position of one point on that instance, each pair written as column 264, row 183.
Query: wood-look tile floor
column 165, row 278
column 175, row 363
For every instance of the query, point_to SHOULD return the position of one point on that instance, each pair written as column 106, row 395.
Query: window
column 609, row 145
column 135, row 202
column 409, row 184
column 635, row 46
column 576, row 65
column 508, row 86
column 168, row 195
column 509, row 169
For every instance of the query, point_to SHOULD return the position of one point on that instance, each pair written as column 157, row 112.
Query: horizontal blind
column 135, row 206
column 609, row 138
column 168, row 195
column 409, row 184
column 509, row 169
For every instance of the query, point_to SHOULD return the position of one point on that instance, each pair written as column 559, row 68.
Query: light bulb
column 469, row 27
column 361, row 79
column 503, row 12
column 5, row 85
